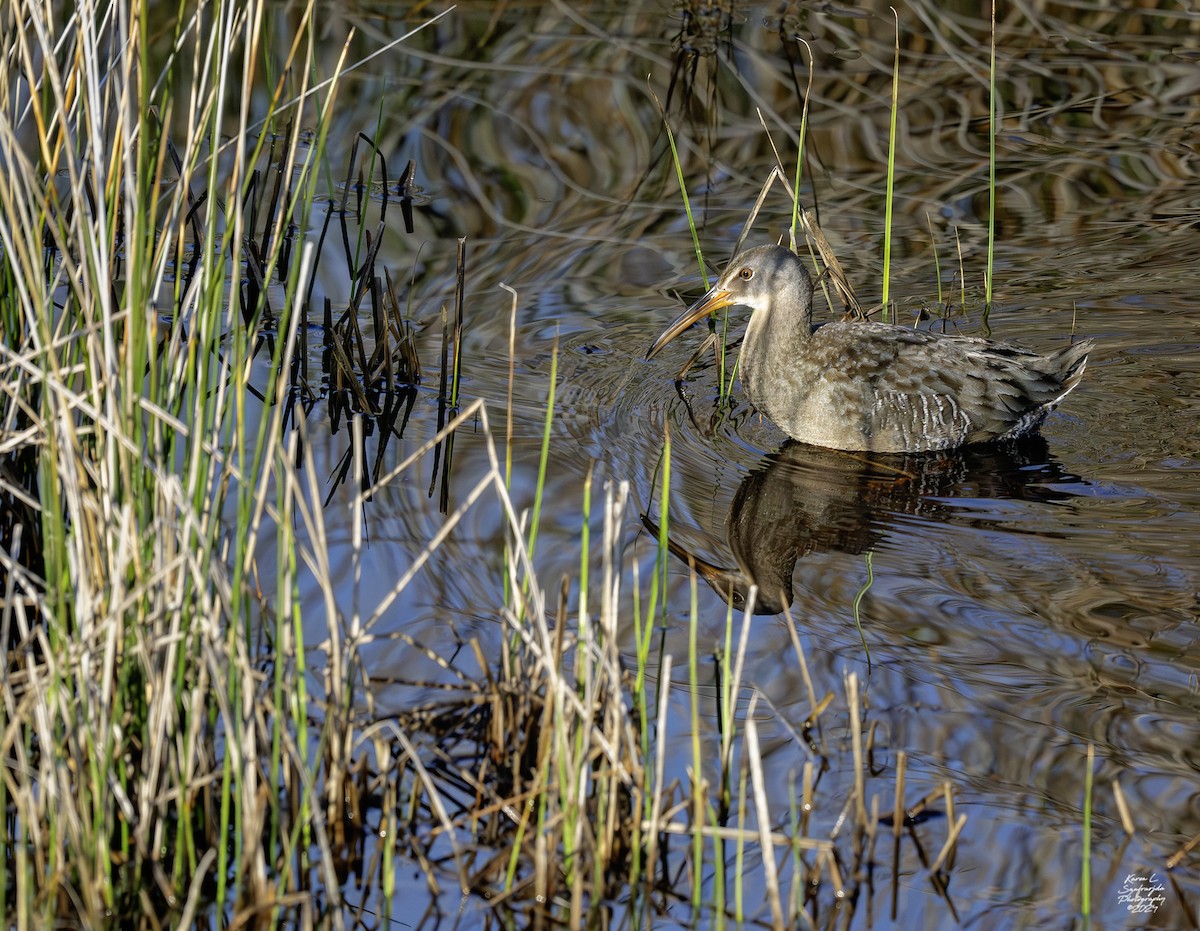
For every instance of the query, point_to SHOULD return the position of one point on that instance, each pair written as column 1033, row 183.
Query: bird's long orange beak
column 713, row 300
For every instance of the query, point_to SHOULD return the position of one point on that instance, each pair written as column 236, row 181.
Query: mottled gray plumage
column 870, row 386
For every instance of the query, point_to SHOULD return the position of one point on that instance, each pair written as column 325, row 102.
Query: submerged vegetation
column 192, row 732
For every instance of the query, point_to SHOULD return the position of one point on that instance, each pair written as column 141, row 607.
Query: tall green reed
column 891, row 173
column 134, row 701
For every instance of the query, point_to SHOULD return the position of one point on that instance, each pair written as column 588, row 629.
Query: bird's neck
column 774, row 341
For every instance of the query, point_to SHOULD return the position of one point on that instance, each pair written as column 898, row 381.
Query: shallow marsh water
column 1022, row 603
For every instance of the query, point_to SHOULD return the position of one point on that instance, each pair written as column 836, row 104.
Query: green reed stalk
column 937, row 270
column 582, row 669
column 512, row 377
column 643, row 629
column 541, row 793
column 585, row 676
column 796, row 899
column 800, row 150
column 456, row 369
column 1085, row 905
column 718, row 903
column 891, row 173
column 687, row 203
column 728, row 699
column 991, row 163
column 726, row 726
column 698, row 793
column 658, row 584
column 248, row 456
column 545, row 456
column 637, row 882
column 687, row 206
column 739, row 868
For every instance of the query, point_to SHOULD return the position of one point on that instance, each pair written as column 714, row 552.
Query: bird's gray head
column 764, row 278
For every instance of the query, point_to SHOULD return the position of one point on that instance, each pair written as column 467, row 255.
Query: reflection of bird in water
column 805, row 500
column 869, row 386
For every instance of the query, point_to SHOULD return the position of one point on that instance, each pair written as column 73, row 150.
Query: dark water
column 1022, row 602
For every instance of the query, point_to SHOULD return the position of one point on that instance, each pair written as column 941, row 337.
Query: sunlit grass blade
column 988, row 282
column 891, row 173
column 800, row 150
column 547, row 427
column 1085, row 882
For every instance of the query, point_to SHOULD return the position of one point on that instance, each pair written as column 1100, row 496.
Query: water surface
column 1022, row 603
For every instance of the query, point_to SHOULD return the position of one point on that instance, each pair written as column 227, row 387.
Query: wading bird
column 864, row 386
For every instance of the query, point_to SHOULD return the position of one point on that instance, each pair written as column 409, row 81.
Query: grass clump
column 151, row 768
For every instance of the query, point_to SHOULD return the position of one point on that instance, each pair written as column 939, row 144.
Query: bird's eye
column 746, row 273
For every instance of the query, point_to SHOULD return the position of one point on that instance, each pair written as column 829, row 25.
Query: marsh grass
column 1085, row 879
column 553, row 767
column 158, row 758
column 891, row 174
column 992, row 102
